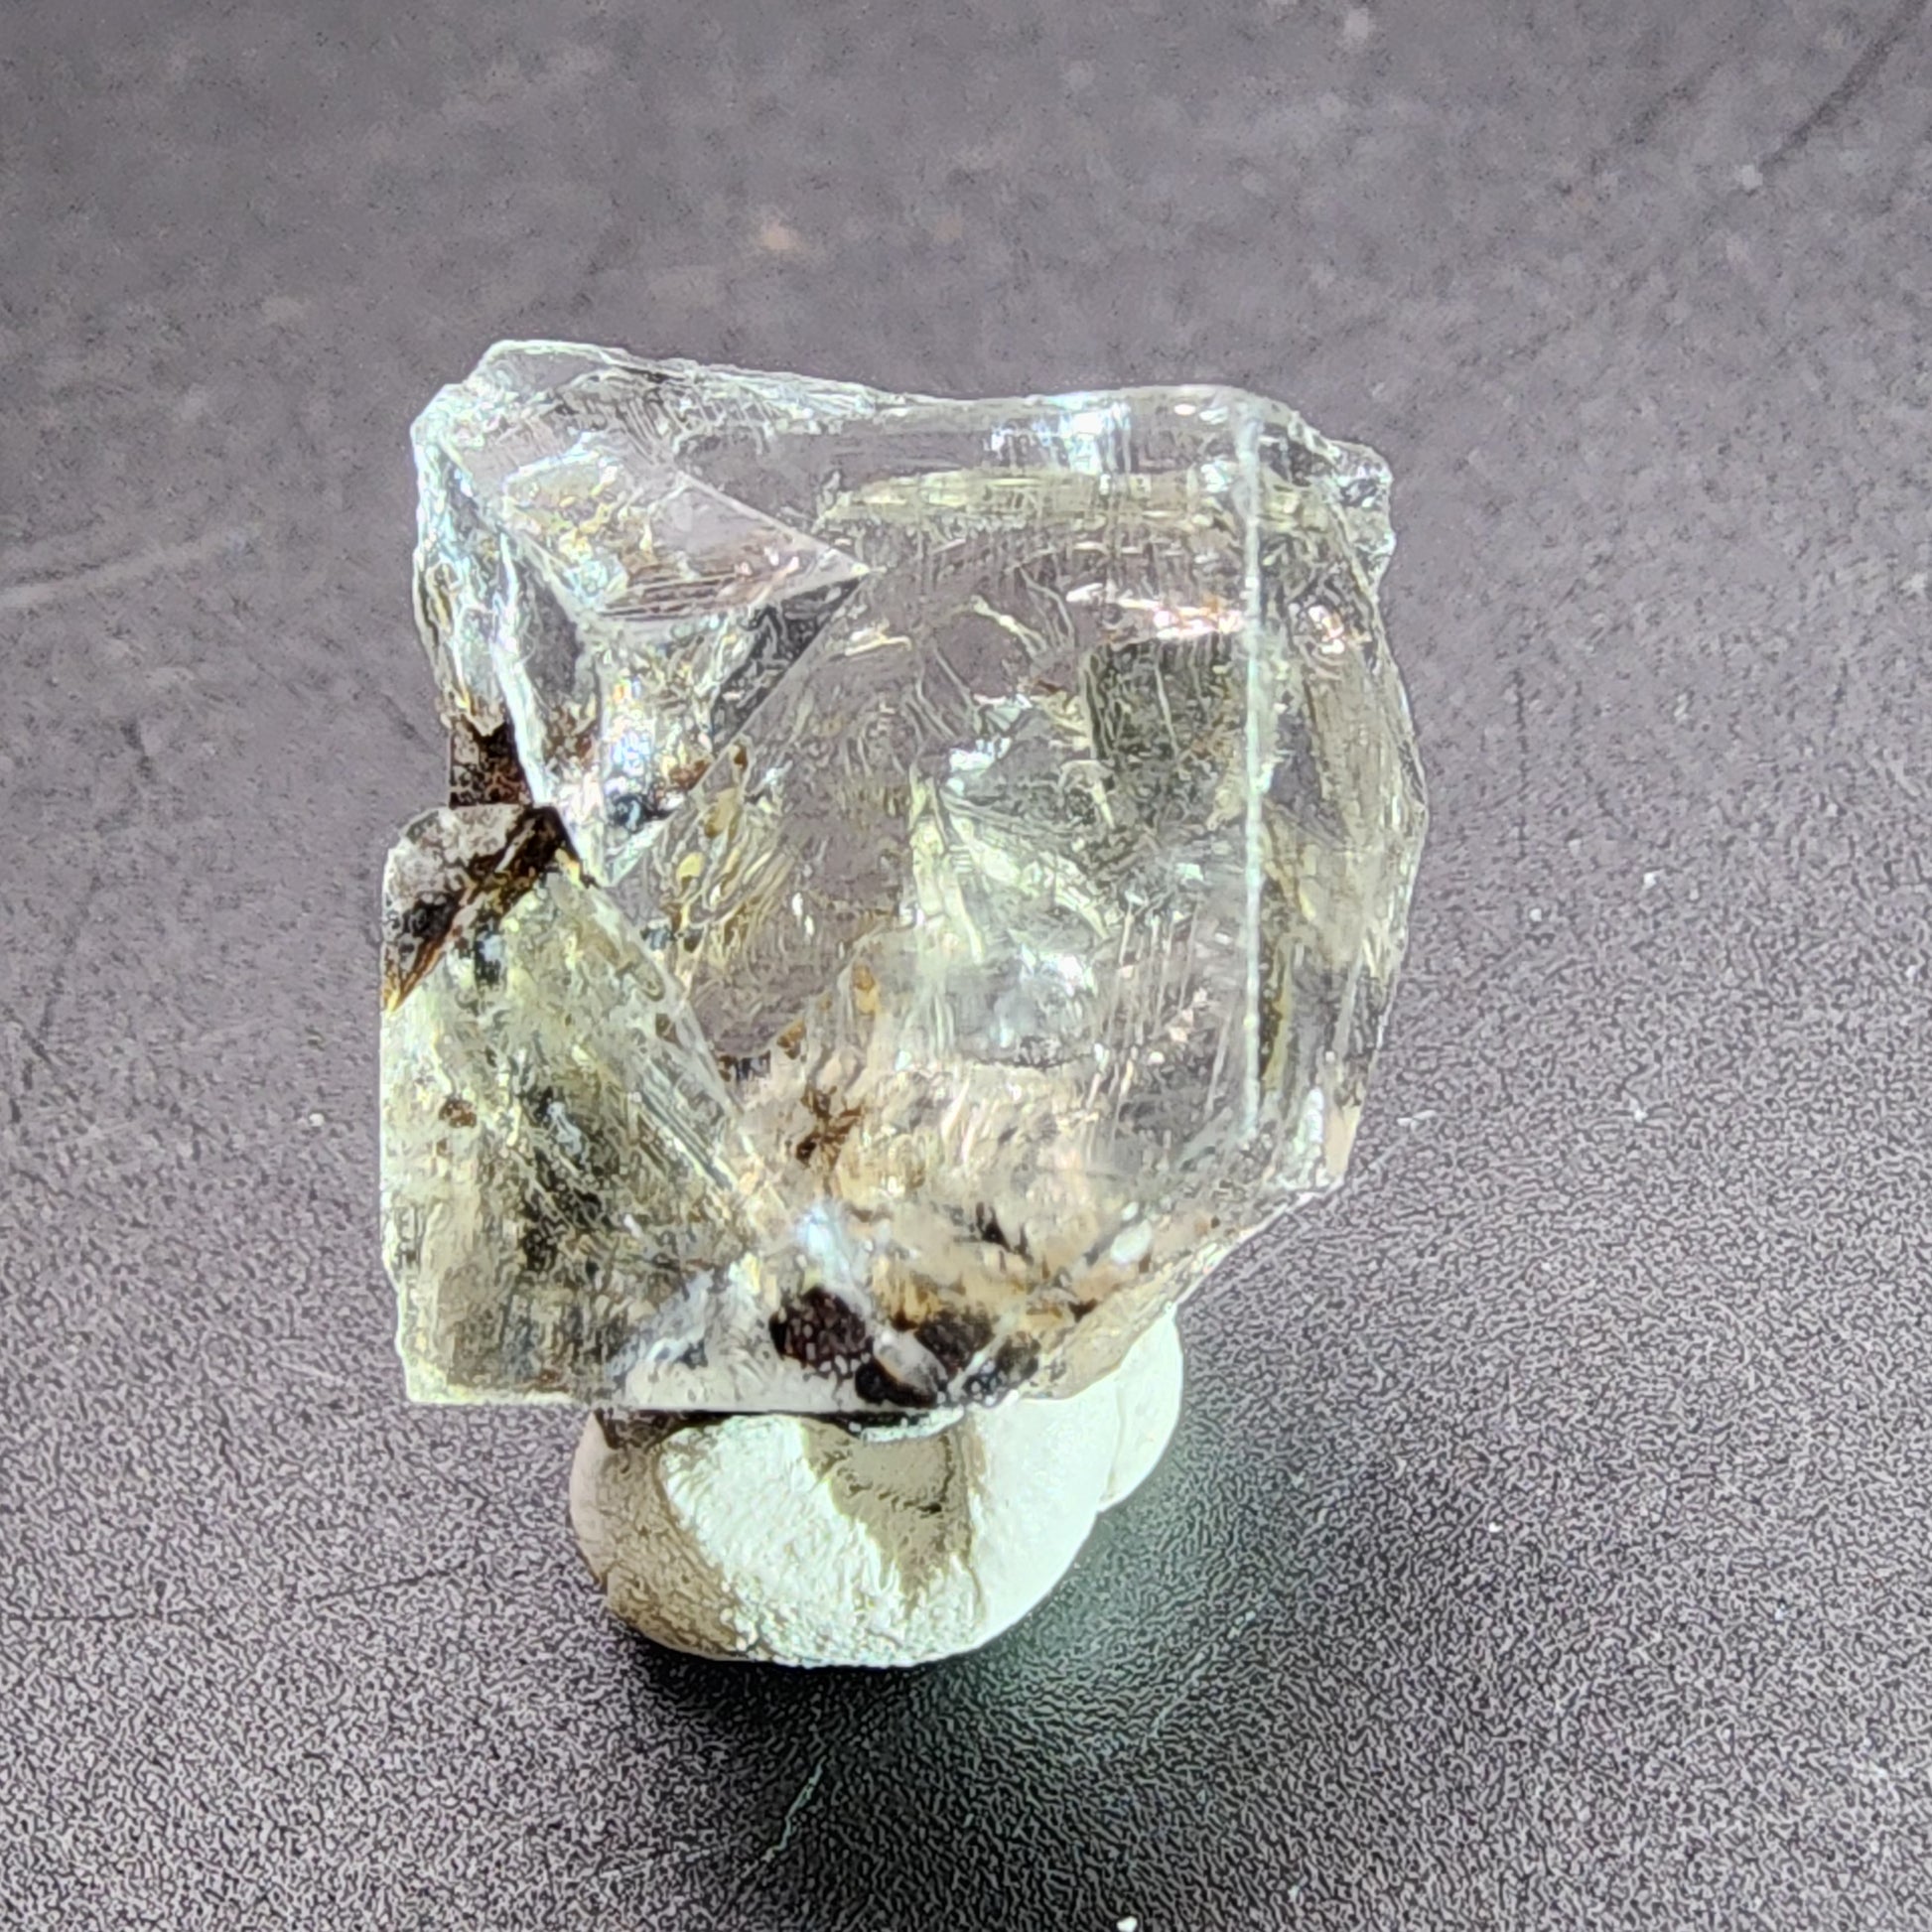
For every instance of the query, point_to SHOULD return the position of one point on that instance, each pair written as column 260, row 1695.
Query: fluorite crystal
column 923, row 879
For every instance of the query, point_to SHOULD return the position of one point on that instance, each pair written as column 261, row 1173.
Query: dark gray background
column 1546, row 1540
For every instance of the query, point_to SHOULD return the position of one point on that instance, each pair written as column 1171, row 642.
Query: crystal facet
column 946, row 889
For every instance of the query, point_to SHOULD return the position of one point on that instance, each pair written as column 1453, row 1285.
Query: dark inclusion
column 1018, row 1358
column 875, row 1383
column 630, row 812
column 414, row 938
column 834, row 1127
column 953, row 1337
column 821, row 1332
column 829, row 1337
column 484, row 769
column 986, row 1228
column 481, row 950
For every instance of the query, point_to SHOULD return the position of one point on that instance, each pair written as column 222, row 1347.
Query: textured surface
column 1545, row 1535
column 991, row 827
column 792, row 1539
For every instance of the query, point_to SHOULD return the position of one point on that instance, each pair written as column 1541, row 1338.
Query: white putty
column 785, row 1538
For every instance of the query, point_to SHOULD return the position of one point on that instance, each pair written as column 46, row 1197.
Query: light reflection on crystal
column 990, row 835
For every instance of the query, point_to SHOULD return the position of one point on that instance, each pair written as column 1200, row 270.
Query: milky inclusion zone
column 923, row 879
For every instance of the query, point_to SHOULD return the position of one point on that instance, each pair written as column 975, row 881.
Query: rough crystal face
column 926, row 878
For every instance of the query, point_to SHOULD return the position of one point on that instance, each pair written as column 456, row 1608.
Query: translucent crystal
column 960, row 885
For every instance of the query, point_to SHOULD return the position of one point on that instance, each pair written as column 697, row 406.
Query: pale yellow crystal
column 1032, row 815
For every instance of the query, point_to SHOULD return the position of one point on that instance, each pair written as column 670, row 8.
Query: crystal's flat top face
column 947, row 890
